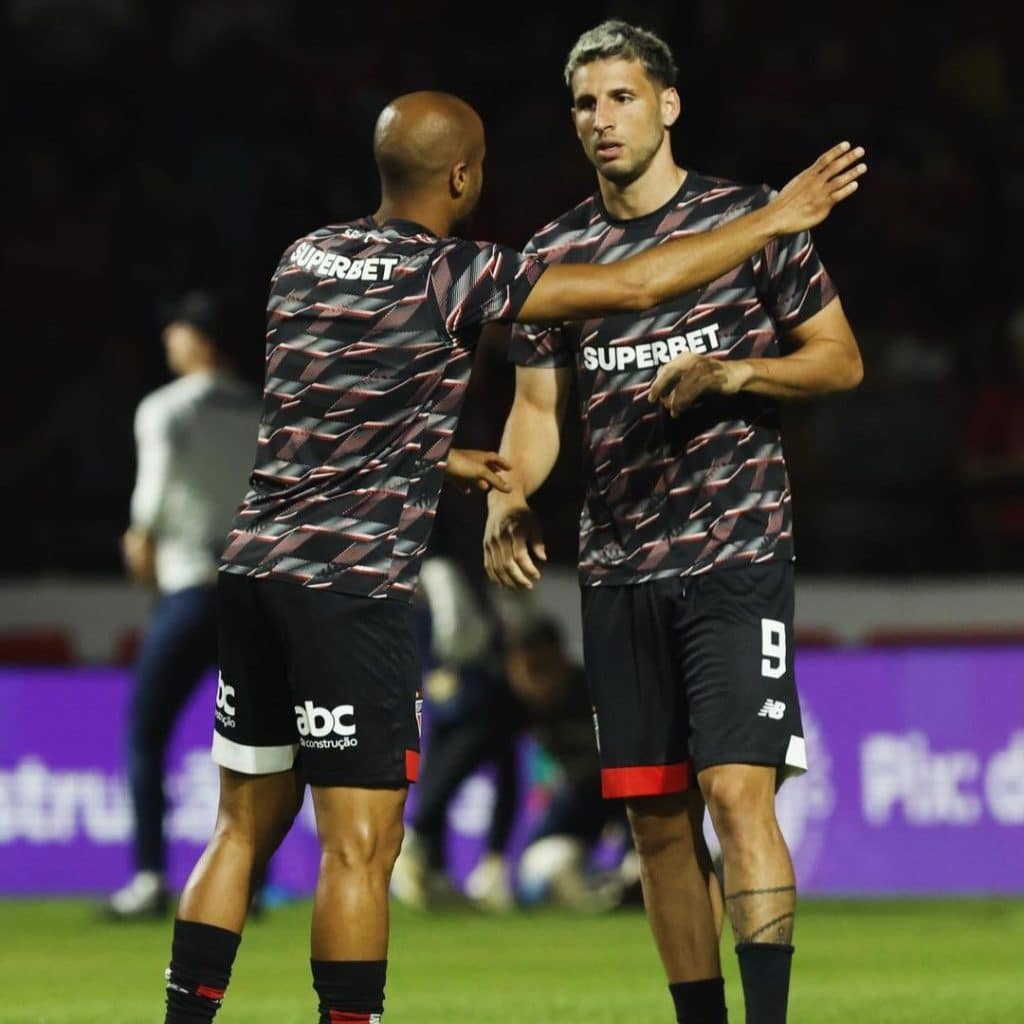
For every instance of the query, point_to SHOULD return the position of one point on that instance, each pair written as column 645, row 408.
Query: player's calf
column 760, row 889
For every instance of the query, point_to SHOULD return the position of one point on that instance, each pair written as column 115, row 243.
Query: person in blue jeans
column 194, row 444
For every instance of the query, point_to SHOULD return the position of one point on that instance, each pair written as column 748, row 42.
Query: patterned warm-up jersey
column 675, row 497
column 370, row 332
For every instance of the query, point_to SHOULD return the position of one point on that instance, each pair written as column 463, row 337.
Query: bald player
column 371, row 327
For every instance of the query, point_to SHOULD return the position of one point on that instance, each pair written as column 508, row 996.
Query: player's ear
column 671, row 106
column 458, row 178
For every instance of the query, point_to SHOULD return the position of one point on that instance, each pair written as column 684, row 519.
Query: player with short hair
column 686, row 544
column 371, row 326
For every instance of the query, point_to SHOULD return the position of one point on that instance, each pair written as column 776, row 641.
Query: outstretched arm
column 530, row 443
column 577, row 291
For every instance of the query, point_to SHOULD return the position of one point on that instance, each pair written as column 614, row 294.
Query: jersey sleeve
column 475, row 283
column 791, row 279
column 153, row 449
column 542, row 345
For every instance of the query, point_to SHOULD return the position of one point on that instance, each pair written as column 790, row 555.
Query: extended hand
column 682, row 381
column 511, row 535
column 809, row 197
column 470, row 468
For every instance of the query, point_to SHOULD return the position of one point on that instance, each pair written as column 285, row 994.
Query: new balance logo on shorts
column 773, row 709
column 225, row 712
column 317, row 722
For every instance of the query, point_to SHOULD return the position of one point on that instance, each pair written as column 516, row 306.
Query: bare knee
column 363, row 846
column 741, row 801
column 662, row 827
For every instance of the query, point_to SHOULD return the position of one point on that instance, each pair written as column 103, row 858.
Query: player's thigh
column 254, row 727
column 355, row 683
column 736, row 637
column 635, row 685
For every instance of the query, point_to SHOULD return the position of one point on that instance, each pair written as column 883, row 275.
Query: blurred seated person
column 471, row 721
column 558, row 863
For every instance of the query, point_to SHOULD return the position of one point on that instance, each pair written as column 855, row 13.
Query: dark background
column 157, row 146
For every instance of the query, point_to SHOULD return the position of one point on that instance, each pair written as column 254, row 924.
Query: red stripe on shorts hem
column 412, row 765
column 646, row 780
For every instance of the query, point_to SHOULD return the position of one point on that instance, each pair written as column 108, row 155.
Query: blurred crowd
column 157, row 147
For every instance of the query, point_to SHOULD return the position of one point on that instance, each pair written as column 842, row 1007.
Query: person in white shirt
column 195, row 446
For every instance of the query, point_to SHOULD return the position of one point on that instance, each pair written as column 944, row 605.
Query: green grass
column 955, row 962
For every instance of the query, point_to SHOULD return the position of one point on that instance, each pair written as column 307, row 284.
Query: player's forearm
column 682, row 264
column 568, row 291
column 530, row 444
column 804, row 374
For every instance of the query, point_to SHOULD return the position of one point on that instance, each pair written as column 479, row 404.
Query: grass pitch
column 952, row 962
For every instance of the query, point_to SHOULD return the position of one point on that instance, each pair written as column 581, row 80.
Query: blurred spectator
column 992, row 455
column 472, row 722
column 195, row 442
column 557, row 865
column 876, row 469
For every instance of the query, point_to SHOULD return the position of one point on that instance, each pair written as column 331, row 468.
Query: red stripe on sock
column 344, row 1017
column 210, row 993
column 646, row 780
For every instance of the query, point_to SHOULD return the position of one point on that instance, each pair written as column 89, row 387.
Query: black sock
column 350, row 991
column 699, row 1002
column 201, row 960
column 764, row 970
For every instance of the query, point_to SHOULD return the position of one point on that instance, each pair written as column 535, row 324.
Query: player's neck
column 425, row 214
column 653, row 189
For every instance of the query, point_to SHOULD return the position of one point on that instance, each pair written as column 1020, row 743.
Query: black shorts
column 690, row 672
column 330, row 679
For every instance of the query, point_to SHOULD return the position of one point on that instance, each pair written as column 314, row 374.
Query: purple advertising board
column 916, row 780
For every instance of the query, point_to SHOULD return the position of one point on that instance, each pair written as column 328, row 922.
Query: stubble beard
column 622, row 177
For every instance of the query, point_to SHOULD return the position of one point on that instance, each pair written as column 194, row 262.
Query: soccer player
column 370, row 332
column 194, row 438
column 686, row 544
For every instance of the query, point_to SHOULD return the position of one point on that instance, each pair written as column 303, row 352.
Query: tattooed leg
column 760, row 890
column 763, row 915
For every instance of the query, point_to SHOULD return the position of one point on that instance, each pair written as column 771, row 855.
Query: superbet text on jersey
column 370, row 335
column 676, row 497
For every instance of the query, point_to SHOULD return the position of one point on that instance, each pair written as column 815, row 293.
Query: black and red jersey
column 370, row 332
column 674, row 497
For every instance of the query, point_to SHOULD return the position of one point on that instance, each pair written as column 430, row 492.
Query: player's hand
column 808, row 198
column 682, row 381
column 139, row 554
column 512, row 541
column 471, row 469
